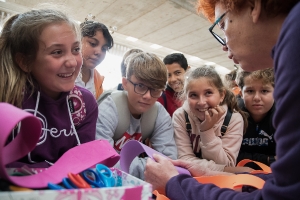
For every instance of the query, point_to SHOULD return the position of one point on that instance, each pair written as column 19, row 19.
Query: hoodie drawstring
column 70, row 117
column 35, row 111
column 73, row 127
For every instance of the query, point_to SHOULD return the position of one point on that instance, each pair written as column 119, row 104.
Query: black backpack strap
column 163, row 95
column 120, row 87
column 188, row 127
column 226, row 122
column 187, row 123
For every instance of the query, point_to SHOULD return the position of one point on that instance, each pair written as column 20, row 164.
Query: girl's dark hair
column 89, row 29
column 213, row 77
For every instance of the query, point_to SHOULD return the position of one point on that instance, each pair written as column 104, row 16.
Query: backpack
column 188, row 127
column 163, row 95
column 223, row 128
column 121, row 101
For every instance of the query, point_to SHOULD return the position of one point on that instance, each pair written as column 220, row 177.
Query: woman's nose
column 225, row 48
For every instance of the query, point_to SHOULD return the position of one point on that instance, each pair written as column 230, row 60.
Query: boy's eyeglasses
column 142, row 89
column 219, row 38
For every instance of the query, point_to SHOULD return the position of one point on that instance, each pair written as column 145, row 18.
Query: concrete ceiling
column 173, row 24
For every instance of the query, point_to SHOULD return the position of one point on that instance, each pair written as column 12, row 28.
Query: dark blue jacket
column 258, row 141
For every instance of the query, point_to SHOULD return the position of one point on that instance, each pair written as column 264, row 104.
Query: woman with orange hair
column 251, row 28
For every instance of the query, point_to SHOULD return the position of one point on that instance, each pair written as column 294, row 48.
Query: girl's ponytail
column 231, row 101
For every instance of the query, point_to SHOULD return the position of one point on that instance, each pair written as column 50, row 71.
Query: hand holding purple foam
column 134, row 148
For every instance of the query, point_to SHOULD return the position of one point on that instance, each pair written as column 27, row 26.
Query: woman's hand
column 212, row 116
column 160, row 172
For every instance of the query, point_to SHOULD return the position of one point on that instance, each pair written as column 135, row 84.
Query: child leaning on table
column 146, row 77
column 208, row 107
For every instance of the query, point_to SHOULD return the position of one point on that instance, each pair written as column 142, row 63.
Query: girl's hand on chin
column 212, row 116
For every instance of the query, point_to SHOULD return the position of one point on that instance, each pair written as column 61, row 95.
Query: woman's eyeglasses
column 219, row 38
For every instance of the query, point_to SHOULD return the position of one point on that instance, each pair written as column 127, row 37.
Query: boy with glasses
column 146, row 77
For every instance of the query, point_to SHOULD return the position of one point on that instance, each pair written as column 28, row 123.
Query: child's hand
column 212, row 116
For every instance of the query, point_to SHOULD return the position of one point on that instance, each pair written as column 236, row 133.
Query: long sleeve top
column 284, row 182
column 76, row 109
column 94, row 84
column 210, row 144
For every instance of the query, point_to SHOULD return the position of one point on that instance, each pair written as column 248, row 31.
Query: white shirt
column 90, row 85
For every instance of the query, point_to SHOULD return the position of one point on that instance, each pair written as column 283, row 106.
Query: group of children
column 48, row 65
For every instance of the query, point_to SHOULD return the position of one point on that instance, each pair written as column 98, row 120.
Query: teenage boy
column 176, row 65
column 257, row 93
column 146, row 78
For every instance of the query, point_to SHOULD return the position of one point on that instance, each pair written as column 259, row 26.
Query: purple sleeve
column 264, row 176
column 185, row 187
column 284, row 183
column 87, row 129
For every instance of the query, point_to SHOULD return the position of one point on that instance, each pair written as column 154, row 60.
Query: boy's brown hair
column 147, row 67
column 266, row 75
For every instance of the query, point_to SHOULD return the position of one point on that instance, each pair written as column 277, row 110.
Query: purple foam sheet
column 134, row 148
